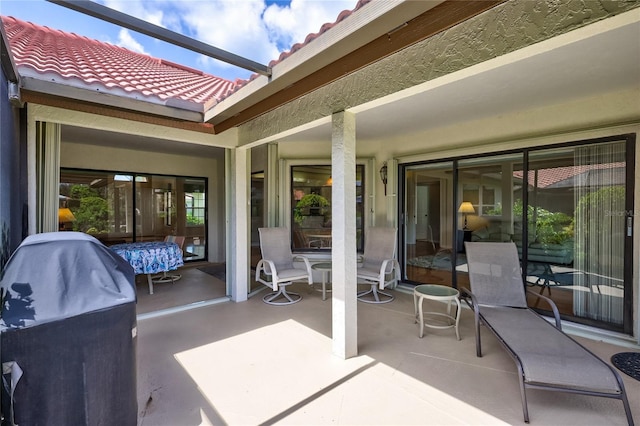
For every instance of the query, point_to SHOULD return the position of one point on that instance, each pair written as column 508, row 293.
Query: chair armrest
column 554, row 308
column 260, row 267
column 307, row 266
column 470, row 299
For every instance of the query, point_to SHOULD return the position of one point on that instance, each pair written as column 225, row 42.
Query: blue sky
column 256, row 29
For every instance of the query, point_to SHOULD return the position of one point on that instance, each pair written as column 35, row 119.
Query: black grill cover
column 69, row 324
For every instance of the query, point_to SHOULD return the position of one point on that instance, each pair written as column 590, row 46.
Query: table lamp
column 466, row 208
column 64, row 216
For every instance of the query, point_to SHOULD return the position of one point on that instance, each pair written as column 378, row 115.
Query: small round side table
column 440, row 293
column 325, row 268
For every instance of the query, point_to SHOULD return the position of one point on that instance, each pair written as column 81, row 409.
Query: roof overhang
column 376, row 31
column 122, row 19
column 54, row 85
column 592, row 62
column 8, row 65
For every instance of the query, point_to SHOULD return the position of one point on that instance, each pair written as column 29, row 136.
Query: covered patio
column 273, row 365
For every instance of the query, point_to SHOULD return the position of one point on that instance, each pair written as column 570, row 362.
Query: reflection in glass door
column 568, row 209
column 489, row 203
column 156, row 207
column 577, row 228
column 169, row 205
column 427, row 237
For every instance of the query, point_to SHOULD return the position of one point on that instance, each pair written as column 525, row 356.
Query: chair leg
column 478, row 342
column 376, row 295
column 523, row 395
column 290, row 298
column 165, row 278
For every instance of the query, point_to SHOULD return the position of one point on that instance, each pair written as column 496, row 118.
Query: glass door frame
column 629, row 139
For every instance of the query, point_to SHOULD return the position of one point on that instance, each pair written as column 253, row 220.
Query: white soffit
column 599, row 58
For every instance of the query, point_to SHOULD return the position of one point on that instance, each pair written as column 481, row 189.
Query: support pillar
column 238, row 220
column 343, row 235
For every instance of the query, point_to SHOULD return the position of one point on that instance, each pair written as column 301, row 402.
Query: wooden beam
column 91, row 108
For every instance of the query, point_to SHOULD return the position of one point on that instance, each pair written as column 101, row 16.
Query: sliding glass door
column 427, row 238
column 489, row 203
column 578, row 228
column 568, row 210
column 103, row 204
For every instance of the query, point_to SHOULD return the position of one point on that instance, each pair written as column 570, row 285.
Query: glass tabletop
column 436, row 290
column 321, row 266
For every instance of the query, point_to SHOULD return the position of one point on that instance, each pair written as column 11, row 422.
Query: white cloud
column 126, row 40
column 247, row 28
column 291, row 24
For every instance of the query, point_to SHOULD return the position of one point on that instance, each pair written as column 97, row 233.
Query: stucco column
column 343, row 234
column 238, row 220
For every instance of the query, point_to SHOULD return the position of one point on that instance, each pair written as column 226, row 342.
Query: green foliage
column 193, row 220
column 553, row 227
column 92, row 216
column 611, row 198
column 82, row 191
column 550, row 227
column 496, row 211
column 310, row 200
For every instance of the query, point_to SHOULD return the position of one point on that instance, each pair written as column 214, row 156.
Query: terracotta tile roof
column 90, row 62
column 554, row 176
column 85, row 62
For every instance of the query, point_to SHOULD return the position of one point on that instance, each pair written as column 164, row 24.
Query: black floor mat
column 628, row 363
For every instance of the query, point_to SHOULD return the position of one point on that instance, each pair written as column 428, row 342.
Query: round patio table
column 151, row 257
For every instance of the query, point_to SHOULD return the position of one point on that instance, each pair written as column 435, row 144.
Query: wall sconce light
column 466, row 208
column 383, row 176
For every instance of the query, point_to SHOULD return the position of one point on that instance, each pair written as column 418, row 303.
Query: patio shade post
column 239, row 222
column 343, row 235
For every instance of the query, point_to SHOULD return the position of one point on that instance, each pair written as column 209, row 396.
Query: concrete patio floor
column 254, row 364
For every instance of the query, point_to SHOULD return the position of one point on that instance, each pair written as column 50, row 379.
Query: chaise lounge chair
column 545, row 356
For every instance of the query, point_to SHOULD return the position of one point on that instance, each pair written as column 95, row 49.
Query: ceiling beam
column 122, row 19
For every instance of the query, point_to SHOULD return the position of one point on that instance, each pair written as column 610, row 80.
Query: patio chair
column 546, row 357
column 166, row 277
column 276, row 269
column 379, row 268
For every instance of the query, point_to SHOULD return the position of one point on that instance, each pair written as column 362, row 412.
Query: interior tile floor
column 254, row 364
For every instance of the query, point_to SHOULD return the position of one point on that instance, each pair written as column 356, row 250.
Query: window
column 194, row 201
column 311, row 207
column 120, row 207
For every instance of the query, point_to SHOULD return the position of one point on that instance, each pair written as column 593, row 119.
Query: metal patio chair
column 276, row 268
column 379, row 267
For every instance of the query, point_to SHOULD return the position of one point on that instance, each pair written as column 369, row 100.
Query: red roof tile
column 555, row 175
column 92, row 62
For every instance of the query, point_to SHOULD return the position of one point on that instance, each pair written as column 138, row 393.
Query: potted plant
column 312, row 205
